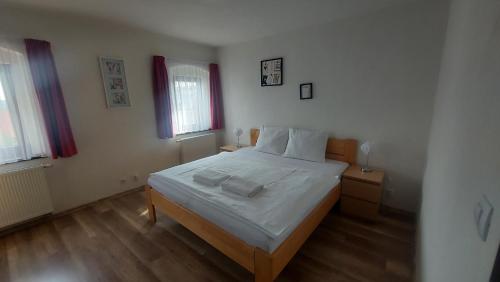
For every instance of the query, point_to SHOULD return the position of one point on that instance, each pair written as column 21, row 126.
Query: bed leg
column 263, row 266
column 149, row 204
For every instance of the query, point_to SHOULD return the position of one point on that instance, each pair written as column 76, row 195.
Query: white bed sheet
column 292, row 188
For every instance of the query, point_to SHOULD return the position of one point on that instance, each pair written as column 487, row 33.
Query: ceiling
column 214, row 22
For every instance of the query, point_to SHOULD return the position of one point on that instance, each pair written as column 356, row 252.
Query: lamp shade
column 366, row 147
column 237, row 132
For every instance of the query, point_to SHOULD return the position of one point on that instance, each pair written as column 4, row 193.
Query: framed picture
column 306, row 91
column 115, row 83
column 271, row 72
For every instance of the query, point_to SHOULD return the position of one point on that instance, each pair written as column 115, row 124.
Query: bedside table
column 231, row 148
column 361, row 192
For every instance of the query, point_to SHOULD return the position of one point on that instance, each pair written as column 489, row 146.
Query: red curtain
column 161, row 94
column 50, row 97
column 216, row 111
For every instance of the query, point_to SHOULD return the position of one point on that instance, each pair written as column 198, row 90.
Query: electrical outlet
column 123, row 181
column 135, row 177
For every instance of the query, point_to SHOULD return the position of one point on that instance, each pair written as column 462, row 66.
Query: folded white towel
column 210, row 177
column 240, row 186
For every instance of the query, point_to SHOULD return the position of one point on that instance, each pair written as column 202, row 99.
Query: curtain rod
column 180, row 60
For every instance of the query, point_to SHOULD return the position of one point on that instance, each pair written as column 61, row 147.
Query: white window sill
column 181, row 136
column 23, row 164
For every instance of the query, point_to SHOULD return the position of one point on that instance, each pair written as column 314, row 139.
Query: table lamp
column 365, row 148
column 238, row 132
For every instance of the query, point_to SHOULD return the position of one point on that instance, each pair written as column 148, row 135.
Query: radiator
column 24, row 195
column 197, row 147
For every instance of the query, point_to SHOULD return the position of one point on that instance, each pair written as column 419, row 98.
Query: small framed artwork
column 115, row 83
column 271, row 72
column 306, row 91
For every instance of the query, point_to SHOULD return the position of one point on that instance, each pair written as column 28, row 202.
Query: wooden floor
column 112, row 241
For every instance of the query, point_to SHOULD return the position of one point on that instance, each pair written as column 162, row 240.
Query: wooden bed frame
column 264, row 265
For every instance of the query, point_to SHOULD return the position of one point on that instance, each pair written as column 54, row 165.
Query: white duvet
column 291, row 187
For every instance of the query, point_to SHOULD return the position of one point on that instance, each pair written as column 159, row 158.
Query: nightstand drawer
column 361, row 190
column 359, row 208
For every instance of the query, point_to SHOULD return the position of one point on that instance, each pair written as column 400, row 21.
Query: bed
column 262, row 233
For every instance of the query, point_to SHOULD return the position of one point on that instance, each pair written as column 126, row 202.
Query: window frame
column 174, row 95
column 21, row 108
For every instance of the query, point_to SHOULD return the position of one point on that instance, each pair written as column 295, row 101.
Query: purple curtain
column 50, row 97
column 216, row 111
column 161, row 94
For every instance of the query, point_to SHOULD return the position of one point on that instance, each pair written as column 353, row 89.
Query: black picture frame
column 303, row 94
column 278, row 73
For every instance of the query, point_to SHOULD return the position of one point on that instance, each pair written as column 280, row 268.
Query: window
column 22, row 136
column 190, row 97
column 8, row 143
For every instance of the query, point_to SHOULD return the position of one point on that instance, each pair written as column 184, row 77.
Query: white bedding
column 292, row 188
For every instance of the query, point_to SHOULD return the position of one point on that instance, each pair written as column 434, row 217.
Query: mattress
column 292, row 188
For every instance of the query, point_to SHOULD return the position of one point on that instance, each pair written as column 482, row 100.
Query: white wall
column 112, row 143
column 374, row 79
column 464, row 149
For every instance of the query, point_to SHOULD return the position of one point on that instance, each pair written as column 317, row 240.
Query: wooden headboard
column 344, row 150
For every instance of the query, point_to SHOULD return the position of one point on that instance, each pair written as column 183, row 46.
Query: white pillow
column 272, row 140
column 307, row 145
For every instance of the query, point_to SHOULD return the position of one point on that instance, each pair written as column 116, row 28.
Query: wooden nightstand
column 361, row 192
column 231, row 148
